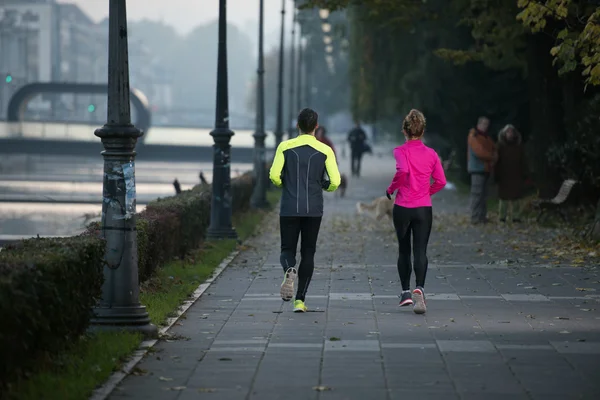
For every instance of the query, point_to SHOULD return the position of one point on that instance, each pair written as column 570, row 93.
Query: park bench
column 557, row 203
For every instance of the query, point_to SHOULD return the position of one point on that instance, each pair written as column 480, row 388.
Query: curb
column 107, row 388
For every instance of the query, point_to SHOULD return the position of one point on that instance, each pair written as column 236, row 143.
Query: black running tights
column 415, row 222
column 291, row 228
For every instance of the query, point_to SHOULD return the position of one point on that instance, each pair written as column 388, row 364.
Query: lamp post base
column 221, row 233
column 129, row 319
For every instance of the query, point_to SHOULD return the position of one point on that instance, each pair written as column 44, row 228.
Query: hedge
column 49, row 286
column 171, row 227
column 47, row 290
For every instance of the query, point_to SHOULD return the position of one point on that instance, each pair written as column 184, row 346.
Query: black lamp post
column 300, row 65
column 279, row 125
column 119, row 308
column 259, row 194
column 220, row 210
column 308, row 73
column 292, row 112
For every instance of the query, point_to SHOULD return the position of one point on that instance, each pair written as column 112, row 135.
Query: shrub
column 49, row 286
column 171, row 227
column 47, row 290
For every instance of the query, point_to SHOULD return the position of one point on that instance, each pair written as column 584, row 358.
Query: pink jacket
column 416, row 164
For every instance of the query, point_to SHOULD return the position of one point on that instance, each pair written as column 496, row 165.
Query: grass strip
column 91, row 361
column 75, row 374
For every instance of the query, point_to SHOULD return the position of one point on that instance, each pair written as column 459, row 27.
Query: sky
column 184, row 15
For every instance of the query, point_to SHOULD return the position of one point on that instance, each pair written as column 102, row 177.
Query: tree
column 191, row 61
column 575, row 27
column 578, row 39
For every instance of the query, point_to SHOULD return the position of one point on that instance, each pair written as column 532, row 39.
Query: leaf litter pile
column 513, row 243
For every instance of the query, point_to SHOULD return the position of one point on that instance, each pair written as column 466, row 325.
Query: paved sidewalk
column 495, row 328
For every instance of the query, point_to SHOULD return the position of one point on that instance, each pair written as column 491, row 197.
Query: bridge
column 18, row 101
column 18, row 135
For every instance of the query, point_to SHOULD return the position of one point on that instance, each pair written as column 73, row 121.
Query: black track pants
column 415, row 222
column 291, row 229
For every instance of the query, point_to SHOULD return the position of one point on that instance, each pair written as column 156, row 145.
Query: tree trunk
column 546, row 113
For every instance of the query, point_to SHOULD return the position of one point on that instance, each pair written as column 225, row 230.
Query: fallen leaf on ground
column 139, row 371
column 582, row 289
column 162, row 378
column 334, row 339
column 178, row 388
column 207, row 390
column 322, row 388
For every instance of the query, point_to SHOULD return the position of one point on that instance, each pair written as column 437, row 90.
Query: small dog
column 381, row 205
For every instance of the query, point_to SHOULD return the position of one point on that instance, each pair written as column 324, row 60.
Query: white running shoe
column 418, row 296
column 287, row 286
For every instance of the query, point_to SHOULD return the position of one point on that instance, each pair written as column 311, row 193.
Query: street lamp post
column 308, row 74
column 292, row 111
column 220, row 209
column 119, row 308
column 300, row 64
column 279, row 125
column 259, row 194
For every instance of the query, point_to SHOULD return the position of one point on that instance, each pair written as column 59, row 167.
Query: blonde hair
column 414, row 124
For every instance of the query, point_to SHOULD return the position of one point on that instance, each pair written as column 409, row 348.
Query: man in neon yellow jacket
column 303, row 167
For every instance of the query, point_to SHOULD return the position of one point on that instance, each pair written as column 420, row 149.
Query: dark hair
column 414, row 124
column 307, row 120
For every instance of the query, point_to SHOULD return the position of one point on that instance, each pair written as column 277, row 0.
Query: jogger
column 416, row 164
column 303, row 167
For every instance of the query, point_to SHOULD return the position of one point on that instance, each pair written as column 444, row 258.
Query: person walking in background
column 357, row 138
column 481, row 156
column 300, row 166
column 321, row 135
column 416, row 164
column 510, row 173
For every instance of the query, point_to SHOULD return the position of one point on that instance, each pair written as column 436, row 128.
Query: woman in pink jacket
column 416, row 164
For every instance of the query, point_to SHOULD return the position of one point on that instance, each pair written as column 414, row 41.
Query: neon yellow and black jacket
column 304, row 167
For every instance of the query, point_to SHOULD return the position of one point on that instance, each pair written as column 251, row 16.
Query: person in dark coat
column 510, row 173
column 357, row 139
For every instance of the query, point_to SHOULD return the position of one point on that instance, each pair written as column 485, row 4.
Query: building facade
column 46, row 41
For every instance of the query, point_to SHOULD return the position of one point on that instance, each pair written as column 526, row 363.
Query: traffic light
column 9, row 78
column 91, row 108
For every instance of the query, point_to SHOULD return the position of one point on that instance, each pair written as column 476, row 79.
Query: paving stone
column 209, row 393
column 422, row 393
column 492, row 330
column 371, row 393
